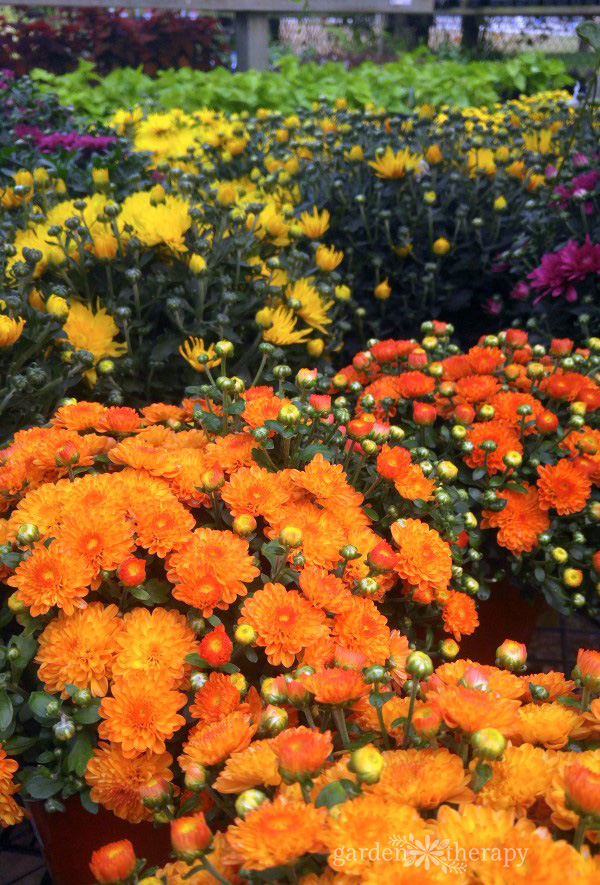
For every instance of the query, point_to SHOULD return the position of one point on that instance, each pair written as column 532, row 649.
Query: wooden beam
column 339, row 9
column 252, row 41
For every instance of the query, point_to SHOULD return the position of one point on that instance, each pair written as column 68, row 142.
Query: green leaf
column 37, row 703
column 87, row 715
column 19, row 744
column 38, row 786
column 481, row 776
column 80, row 754
column 196, row 661
column 333, row 794
column 378, row 698
column 88, row 805
column 589, row 32
column 6, row 710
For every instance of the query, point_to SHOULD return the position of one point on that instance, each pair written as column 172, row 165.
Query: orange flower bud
column 132, row 571
column 114, row 862
column 382, row 557
column 301, row 753
column 67, row 455
column 582, row 789
column 244, row 525
column 426, row 721
column 213, row 479
column 587, row 669
column 190, row 837
column 511, row 655
column 424, row 413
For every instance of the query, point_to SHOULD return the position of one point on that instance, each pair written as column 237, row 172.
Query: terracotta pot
column 505, row 615
column 68, row 839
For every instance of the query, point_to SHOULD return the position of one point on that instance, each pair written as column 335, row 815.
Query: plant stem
column 579, row 834
column 411, row 707
column 340, row 721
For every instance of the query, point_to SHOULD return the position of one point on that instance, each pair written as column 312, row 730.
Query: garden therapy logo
column 428, row 852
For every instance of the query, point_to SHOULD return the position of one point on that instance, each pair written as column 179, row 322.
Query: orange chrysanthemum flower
column 217, row 698
column 519, row 778
column 211, row 569
column 43, row 507
column 284, row 621
column 485, row 360
column 52, row 576
column 162, row 413
column 232, row 451
column 392, row 461
column 80, row 649
column 79, row 416
column 414, row 385
column 10, row 812
column 459, row 615
column 213, row 743
column 364, row 629
column 277, row 834
column 506, row 404
column 116, row 781
column 565, row 487
column 476, row 388
column 325, row 590
column 327, row 484
column 101, row 537
column 161, row 525
column 505, row 437
column 154, row 641
column 363, row 823
column 216, row 647
column 255, row 491
column 521, row 522
column 471, row 709
column 424, row 559
column 335, row 687
column 582, row 788
column 253, row 767
column 547, row 724
column 563, row 814
column 301, row 753
column 261, row 408
column 555, row 684
column 141, row 714
column 414, row 485
column 118, row 420
column 422, row 778
column 588, row 668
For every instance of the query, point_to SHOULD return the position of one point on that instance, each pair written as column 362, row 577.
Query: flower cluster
column 512, row 429
column 493, row 775
column 278, row 229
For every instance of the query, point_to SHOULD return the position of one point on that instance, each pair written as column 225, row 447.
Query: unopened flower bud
column 196, row 777
column 190, row 837
column 245, row 634
column 511, row 655
column 244, row 525
column 249, row 801
column 488, row 743
column 419, row 665
column 367, row 764
column 290, row 536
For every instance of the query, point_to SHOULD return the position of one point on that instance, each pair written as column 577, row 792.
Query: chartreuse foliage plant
column 417, row 78
column 241, row 615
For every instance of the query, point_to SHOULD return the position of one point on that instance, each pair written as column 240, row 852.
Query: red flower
column 216, row 647
column 132, row 571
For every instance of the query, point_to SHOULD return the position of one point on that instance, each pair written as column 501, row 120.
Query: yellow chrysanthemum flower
column 282, row 330
column 95, row 332
column 313, row 309
column 314, row 224
column 191, row 349
column 394, row 165
column 10, row 330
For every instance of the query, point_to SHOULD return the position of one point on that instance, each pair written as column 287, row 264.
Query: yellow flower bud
column 57, row 306
column 441, row 246
column 500, row 204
